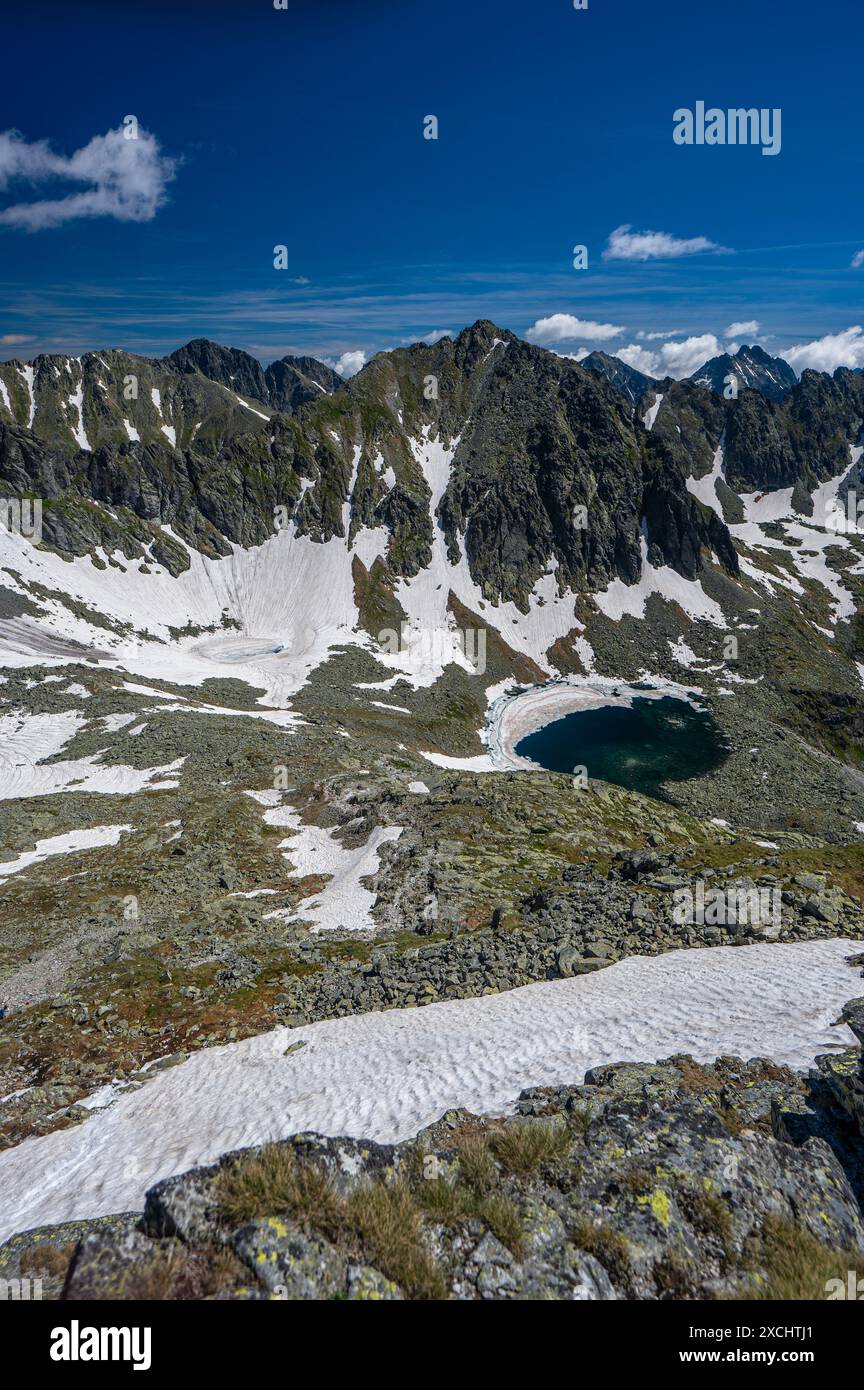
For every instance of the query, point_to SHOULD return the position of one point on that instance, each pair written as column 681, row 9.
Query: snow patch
column 344, row 904
column 69, row 843
column 620, row 599
column 705, row 489
column 650, row 415
column 77, row 400
column 29, row 380
column 26, row 740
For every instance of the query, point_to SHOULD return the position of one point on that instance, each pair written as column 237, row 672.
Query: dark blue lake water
column 652, row 742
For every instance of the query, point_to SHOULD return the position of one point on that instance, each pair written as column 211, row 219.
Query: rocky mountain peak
column 753, row 367
column 291, row 381
column 230, row 367
column 627, row 381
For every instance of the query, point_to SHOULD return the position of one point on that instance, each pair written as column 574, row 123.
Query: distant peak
column 484, row 330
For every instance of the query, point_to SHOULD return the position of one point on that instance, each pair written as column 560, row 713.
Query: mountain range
column 209, row 443
column 749, row 367
column 478, row 481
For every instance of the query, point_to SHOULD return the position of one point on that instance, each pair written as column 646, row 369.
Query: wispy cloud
column 15, row 339
column 430, row 338
column 566, row 328
column 857, row 260
column 153, row 313
column 658, row 336
column 626, row 245
column 126, row 177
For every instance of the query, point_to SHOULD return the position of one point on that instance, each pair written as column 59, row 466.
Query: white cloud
column 576, row 356
column 348, row 364
column 566, row 328
column 672, row 359
column 626, row 245
column 429, row 338
column 127, row 179
column 13, row 339
column 857, row 260
column 643, row 359
column 844, row 349
column 747, row 329
column 683, row 358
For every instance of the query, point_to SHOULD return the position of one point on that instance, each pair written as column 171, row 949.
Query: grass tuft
column 390, row 1225
column 273, row 1181
column 380, row 1223
column 709, row 1215
column 504, row 1220
column 798, row 1265
column 477, row 1165
column 522, row 1148
column 607, row 1246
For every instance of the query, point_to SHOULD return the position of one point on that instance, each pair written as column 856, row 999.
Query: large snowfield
column 385, row 1075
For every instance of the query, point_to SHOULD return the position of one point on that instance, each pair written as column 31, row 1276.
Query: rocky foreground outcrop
column 649, row 1181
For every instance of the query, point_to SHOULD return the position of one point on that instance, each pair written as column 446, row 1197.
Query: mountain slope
column 631, row 383
column 111, row 399
column 203, row 393
column 482, row 467
column 533, row 438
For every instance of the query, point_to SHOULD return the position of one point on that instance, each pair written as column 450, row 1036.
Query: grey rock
column 289, row 1262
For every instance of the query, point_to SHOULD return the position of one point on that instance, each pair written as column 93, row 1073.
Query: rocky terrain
column 657, row 1180
column 226, row 803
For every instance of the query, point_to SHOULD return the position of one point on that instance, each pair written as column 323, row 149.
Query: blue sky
column 304, row 127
